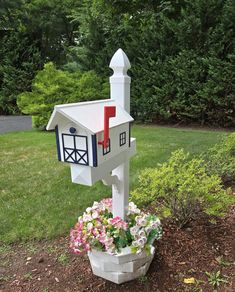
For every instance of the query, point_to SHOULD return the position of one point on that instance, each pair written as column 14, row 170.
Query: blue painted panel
column 57, row 143
column 94, row 150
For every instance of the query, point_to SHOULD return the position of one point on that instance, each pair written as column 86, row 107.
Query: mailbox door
column 75, row 149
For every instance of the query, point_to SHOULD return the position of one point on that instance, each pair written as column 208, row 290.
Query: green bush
column 183, row 72
column 182, row 186
column 52, row 86
column 220, row 159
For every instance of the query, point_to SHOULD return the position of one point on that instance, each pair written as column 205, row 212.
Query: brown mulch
column 181, row 253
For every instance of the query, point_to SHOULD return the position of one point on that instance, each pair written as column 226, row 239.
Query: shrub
column 182, row 186
column 220, row 159
column 52, row 86
column 183, row 72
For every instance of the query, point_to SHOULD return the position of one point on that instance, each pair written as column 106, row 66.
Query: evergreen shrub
column 52, row 86
column 220, row 159
column 182, row 186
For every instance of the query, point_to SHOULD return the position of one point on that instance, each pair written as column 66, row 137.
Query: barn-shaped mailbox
column 94, row 137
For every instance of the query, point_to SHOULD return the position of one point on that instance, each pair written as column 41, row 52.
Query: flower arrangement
column 97, row 229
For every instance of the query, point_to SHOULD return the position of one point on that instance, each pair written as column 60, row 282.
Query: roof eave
column 52, row 124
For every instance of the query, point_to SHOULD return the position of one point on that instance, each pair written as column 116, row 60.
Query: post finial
column 120, row 63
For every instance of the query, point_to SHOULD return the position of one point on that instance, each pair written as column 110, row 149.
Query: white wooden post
column 120, row 92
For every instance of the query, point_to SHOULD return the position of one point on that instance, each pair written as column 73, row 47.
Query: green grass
column 37, row 198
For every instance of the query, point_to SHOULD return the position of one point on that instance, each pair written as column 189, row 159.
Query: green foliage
column 31, row 33
column 19, row 61
column 181, row 54
column 182, row 185
column 63, row 259
column 220, row 159
column 215, row 278
column 52, row 86
column 222, row 262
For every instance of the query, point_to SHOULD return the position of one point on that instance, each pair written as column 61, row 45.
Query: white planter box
column 120, row 268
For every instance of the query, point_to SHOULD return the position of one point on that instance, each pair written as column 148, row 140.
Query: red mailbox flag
column 109, row 112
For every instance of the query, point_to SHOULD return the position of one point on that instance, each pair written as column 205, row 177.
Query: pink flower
column 95, row 232
column 118, row 223
column 87, row 247
column 107, row 203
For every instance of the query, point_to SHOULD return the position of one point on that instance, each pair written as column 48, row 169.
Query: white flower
column 148, row 230
column 89, row 226
column 138, row 219
column 80, row 219
column 141, row 242
column 156, row 223
column 134, row 230
column 86, row 217
column 142, row 233
column 135, row 243
column 132, row 209
column 88, row 210
column 143, row 222
column 95, row 214
column 95, row 206
column 136, row 236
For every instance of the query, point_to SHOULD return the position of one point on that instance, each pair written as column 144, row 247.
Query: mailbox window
column 108, row 149
column 122, row 139
column 75, row 149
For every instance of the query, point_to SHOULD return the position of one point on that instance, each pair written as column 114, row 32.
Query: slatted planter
column 125, row 266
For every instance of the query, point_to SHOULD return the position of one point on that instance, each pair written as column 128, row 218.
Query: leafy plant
column 63, row 259
column 222, row 262
column 220, row 159
column 215, row 278
column 52, row 86
column 28, row 276
column 182, row 186
column 52, row 249
column 143, row 279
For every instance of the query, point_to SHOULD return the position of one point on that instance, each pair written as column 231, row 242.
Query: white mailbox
column 95, row 137
column 81, row 129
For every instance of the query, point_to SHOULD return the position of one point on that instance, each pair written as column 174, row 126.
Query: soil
column 206, row 245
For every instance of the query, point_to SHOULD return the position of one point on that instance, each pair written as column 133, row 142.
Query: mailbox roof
column 88, row 115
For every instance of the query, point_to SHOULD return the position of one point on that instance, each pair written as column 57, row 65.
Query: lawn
column 37, row 198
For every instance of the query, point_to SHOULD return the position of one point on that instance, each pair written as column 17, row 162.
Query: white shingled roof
column 89, row 115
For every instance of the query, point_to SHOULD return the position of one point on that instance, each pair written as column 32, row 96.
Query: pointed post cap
column 120, row 63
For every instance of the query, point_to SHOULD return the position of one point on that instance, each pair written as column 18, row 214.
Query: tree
column 176, row 48
column 31, row 33
column 52, row 86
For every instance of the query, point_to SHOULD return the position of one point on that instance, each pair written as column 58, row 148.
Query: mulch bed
column 181, row 253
